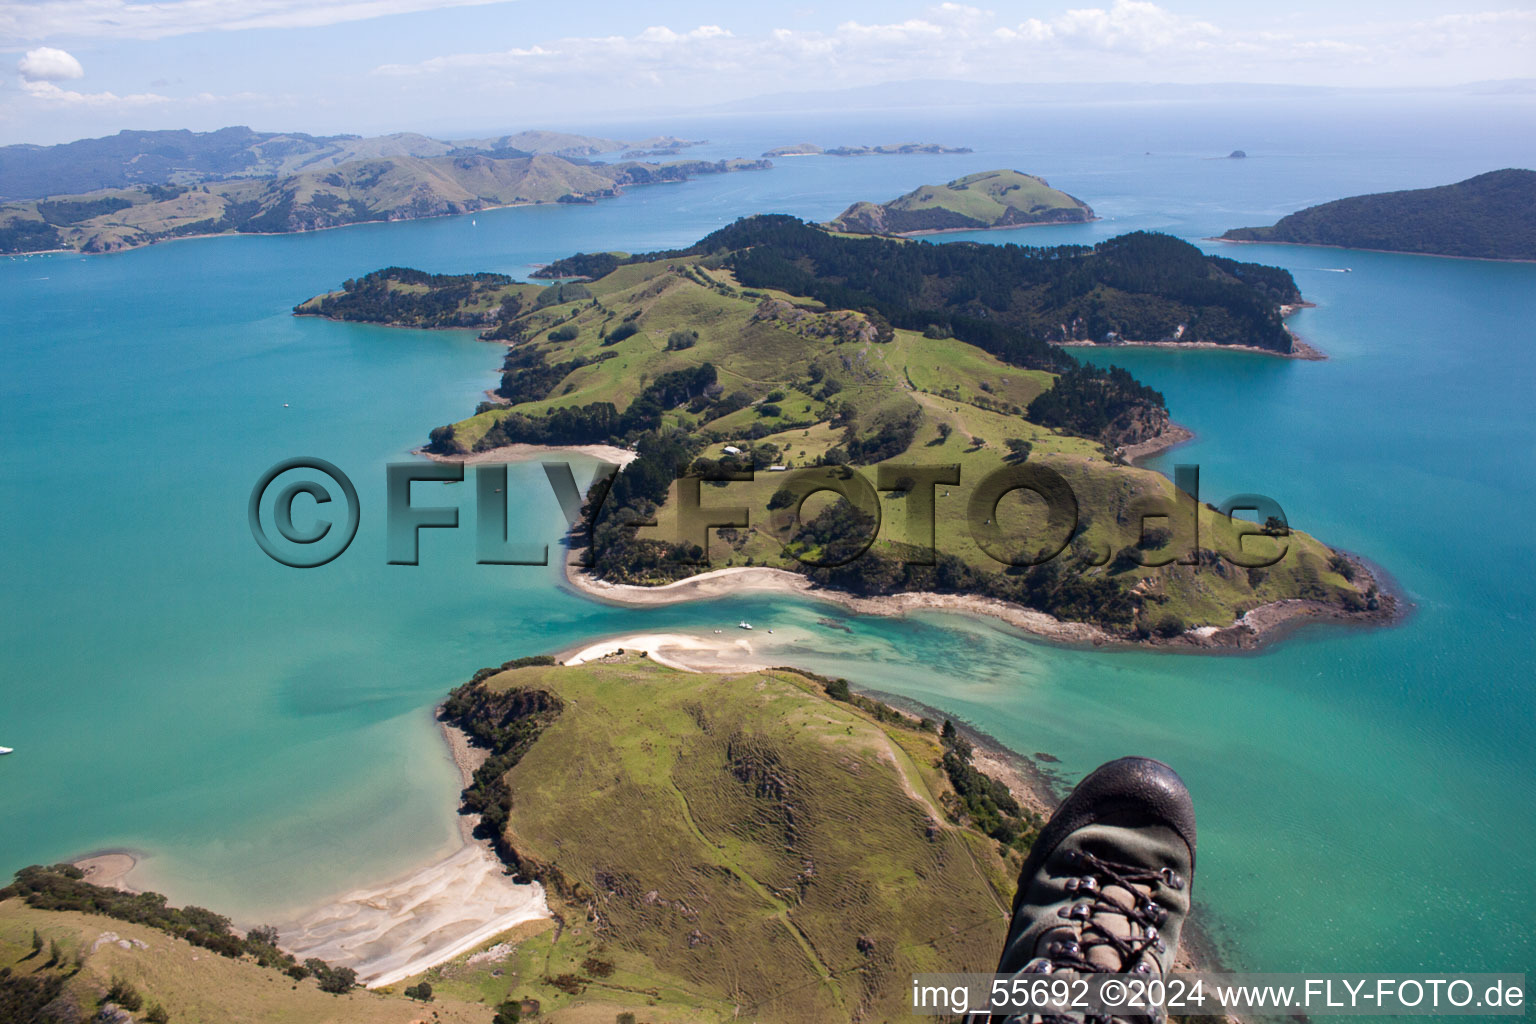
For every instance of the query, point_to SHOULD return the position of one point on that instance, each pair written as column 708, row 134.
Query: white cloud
column 1130, row 25
column 1125, row 39
column 49, row 93
column 43, row 19
column 46, row 64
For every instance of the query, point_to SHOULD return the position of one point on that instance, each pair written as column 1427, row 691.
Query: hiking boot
column 1106, row 887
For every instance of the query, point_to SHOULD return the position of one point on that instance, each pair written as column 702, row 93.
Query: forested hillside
column 1491, row 216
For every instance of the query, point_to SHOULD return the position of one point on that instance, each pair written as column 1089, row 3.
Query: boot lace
column 1095, row 876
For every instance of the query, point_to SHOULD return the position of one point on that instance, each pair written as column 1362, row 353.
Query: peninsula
column 902, row 149
column 976, row 202
column 1491, row 216
column 381, row 189
column 132, row 158
column 775, row 346
column 691, row 829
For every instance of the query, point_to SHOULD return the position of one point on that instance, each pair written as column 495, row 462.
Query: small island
column 1237, row 154
column 901, row 149
column 773, row 345
column 977, row 202
column 1491, row 216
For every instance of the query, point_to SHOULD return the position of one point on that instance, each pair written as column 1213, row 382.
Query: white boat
column 5, row 750
column 743, row 625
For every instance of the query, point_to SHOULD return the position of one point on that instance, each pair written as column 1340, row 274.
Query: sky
column 81, row 68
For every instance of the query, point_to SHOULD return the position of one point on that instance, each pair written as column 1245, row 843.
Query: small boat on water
column 5, row 750
column 744, row 625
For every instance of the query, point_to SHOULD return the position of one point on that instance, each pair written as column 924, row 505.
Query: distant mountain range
column 163, row 185
column 1491, row 216
column 185, row 157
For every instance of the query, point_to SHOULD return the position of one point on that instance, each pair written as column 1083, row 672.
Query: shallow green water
column 1365, row 797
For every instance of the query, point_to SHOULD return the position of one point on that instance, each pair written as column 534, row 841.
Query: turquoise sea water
column 262, row 735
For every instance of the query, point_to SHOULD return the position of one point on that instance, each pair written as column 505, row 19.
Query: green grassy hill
column 1491, row 216
column 397, row 187
column 84, row 956
column 991, row 199
column 730, row 846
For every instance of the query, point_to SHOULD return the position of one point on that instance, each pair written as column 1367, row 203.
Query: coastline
column 1175, row 435
column 510, row 453
column 994, row 227
column 109, row 868
column 396, row 930
column 1264, row 624
column 1300, row 350
column 1356, row 248
column 336, row 227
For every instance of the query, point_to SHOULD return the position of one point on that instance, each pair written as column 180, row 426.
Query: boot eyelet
column 1142, row 968
column 1088, row 884
column 1039, row 965
column 1171, row 878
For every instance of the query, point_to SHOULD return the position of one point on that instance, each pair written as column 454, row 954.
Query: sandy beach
column 108, row 869
column 620, row 457
column 1300, row 349
column 675, row 650
column 393, row 931
column 390, row 932
column 1263, row 623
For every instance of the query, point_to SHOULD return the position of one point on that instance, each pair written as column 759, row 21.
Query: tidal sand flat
column 400, row 929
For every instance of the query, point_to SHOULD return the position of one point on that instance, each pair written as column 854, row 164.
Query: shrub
column 627, row 329
column 157, row 1014
column 336, row 980
column 422, row 991
column 565, row 332
column 1169, row 626
column 124, row 994
column 679, row 340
